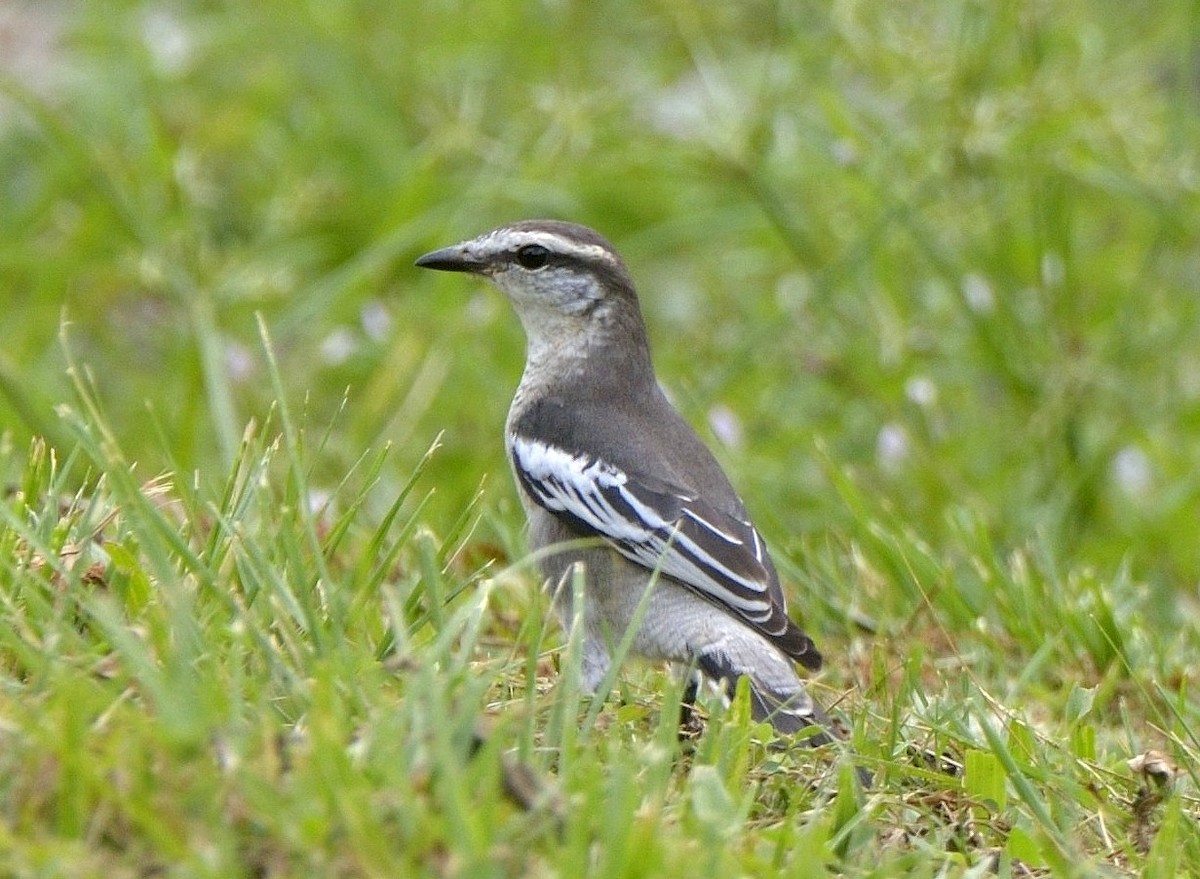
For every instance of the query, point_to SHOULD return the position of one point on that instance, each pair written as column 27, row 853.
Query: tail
column 776, row 695
column 780, row 699
column 794, row 714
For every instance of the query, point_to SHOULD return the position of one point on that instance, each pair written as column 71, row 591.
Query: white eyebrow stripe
column 510, row 239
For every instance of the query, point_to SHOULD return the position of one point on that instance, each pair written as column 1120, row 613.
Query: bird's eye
column 533, row 256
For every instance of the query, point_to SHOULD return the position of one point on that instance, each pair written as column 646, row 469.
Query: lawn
column 926, row 276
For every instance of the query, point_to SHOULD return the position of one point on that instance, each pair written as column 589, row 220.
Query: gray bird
column 599, row 452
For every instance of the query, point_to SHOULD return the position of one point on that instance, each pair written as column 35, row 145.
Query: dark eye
column 533, row 256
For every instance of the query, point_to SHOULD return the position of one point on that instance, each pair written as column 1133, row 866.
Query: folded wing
column 667, row 529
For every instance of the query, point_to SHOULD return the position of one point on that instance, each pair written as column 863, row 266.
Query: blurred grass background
column 925, row 274
column 955, row 242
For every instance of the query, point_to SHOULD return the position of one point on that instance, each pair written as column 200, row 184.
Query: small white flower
column 1132, row 472
column 977, row 290
column 239, row 362
column 168, row 41
column 318, row 500
column 726, row 426
column 892, row 447
column 845, row 152
column 921, row 390
column 339, row 346
column 1054, row 270
column 376, row 320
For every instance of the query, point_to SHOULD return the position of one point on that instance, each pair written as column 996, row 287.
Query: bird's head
column 543, row 266
column 569, row 287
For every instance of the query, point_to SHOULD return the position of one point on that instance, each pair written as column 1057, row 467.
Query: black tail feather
column 789, row 714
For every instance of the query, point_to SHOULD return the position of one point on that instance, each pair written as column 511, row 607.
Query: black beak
column 451, row 259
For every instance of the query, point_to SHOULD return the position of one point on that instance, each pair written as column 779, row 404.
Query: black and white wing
column 664, row 528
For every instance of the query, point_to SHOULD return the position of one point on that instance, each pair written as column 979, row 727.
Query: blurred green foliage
column 954, row 241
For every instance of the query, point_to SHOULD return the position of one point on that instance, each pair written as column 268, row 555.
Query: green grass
column 924, row 274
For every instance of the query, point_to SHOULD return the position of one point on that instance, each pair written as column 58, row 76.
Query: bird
column 615, row 483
